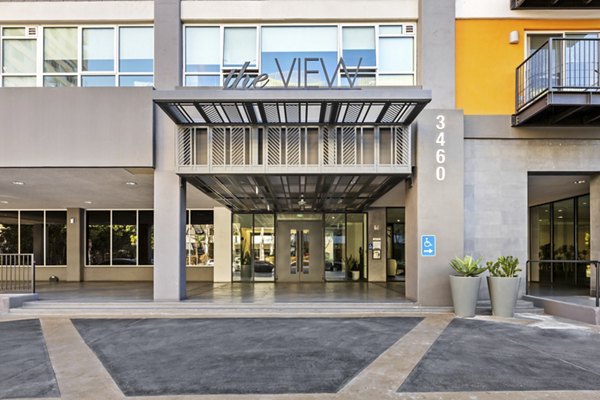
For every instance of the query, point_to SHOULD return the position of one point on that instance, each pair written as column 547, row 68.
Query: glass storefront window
column 136, row 49
column 9, row 232
column 286, row 43
column 564, row 230
column 355, row 240
column 242, row 250
column 199, row 238
column 32, row 234
column 124, row 238
column 98, row 237
column 335, row 247
column 263, row 247
column 56, row 237
column 98, row 49
column 146, row 237
column 396, row 242
column 60, row 50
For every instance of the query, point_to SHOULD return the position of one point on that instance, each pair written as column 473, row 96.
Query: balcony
column 559, row 85
column 553, row 4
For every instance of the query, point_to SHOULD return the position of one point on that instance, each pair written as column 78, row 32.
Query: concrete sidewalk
column 433, row 356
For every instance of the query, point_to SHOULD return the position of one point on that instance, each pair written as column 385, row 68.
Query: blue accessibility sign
column 428, row 246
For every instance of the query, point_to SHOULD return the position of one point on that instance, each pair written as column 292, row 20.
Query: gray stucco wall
column 496, row 180
column 76, row 127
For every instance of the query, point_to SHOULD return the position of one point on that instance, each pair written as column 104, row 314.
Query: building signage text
column 298, row 73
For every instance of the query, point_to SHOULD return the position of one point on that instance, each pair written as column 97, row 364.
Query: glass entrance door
column 300, row 251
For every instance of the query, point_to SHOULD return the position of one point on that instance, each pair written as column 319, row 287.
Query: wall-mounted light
column 72, row 220
column 513, row 37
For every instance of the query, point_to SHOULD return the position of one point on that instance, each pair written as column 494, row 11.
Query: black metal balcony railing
column 560, row 65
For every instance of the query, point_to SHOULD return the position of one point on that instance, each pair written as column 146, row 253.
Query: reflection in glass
column 242, row 250
column 540, row 242
column 18, row 56
column 32, row 234
column 60, row 81
column 355, row 240
column 13, row 32
column 583, row 238
column 124, row 240
column 264, row 247
column 98, row 49
column 133, row 80
column 19, row 81
column 396, row 54
column 306, row 251
column 60, row 49
column 98, row 81
column 56, row 237
column 98, row 237
column 136, row 49
column 286, row 43
column 396, row 242
column 335, row 242
column 359, row 42
column 239, row 46
column 202, row 80
column 202, row 49
column 9, row 232
column 146, row 237
column 294, row 263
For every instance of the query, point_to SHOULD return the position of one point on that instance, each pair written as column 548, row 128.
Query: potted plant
column 353, row 267
column 503, row 285
column 465, row 285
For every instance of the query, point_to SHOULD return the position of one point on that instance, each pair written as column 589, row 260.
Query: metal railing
column 568, row 267
column 561, row 64
column 17, row 273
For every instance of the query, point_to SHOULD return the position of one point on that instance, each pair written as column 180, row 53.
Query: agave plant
column 467, row 266
column 505, row 267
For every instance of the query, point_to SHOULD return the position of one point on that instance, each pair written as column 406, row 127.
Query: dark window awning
column 363, row 106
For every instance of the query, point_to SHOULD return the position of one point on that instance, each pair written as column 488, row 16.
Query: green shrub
column 505, row 267
column 467, row 266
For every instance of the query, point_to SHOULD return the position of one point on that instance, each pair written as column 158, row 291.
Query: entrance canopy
column 340, row 106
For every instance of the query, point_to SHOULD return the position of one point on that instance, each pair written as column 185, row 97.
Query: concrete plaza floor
column 262, row 355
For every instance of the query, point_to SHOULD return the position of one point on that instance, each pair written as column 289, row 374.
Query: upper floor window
column 77, row 56
column 386, row 53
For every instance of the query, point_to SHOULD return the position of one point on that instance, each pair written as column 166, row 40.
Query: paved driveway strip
column 239, row 356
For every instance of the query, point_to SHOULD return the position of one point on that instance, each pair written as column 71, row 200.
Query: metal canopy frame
column 362, row 106
column 554, row 4
column 556, row 108
column 279, row 193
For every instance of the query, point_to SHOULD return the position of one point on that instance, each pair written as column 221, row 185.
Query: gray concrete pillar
column 594, row 227
column 435, row 205
column 167, row 44
column 376, row 234
column 222, row 243
column 75, row 244
column 436, row 50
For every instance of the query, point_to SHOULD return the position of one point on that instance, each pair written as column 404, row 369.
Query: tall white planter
column 465, row 290
column 503, row 295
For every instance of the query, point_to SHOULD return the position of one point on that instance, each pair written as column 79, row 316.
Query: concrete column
column 223, row 247
column 594, row 227
column 169, row 188
column 75, row 246
column 435, row 205
column 436, row 50
column 376, row 232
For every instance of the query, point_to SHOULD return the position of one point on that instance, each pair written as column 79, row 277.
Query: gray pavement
column 426, row 357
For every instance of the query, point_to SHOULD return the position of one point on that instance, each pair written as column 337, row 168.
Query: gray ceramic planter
column 465, row 290
column 503, row 295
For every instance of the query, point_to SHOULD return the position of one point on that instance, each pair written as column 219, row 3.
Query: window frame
column 340, row 26
column 39, row 38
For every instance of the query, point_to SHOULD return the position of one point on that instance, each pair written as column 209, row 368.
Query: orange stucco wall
column 486, row 62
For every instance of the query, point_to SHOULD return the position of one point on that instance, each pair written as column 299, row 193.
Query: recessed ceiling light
column 131, row 183
column 397, row 220
column 3, row 202
column 87, row 202
column 19, row 183
column 579, row 182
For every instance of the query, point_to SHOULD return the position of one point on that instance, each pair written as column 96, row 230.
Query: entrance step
column 187, row 308
column 578, row 308
column 194, row 308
